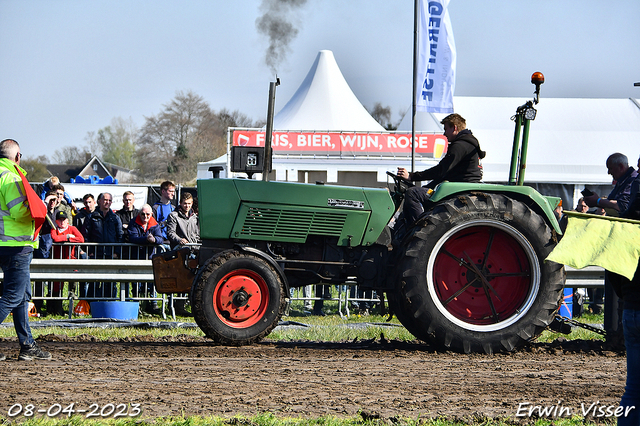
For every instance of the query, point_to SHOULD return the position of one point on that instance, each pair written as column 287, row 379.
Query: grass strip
column 268, row 419
column 329, row 328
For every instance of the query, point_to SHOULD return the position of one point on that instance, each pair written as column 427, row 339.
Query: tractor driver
column 460, row 164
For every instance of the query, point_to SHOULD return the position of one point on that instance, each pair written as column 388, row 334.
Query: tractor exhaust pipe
column 266, row 164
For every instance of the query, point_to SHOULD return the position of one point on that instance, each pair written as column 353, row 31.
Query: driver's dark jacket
column 460, row 164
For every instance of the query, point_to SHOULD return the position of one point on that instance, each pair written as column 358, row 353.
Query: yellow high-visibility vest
column 16, row 224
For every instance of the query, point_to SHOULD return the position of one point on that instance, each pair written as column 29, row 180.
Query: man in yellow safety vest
column 20, row 214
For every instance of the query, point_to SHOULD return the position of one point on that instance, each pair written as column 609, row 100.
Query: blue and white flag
column 436, row 58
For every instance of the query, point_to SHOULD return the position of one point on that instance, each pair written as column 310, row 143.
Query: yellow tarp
column 609, row 242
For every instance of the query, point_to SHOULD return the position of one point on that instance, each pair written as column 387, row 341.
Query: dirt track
column 189, row 376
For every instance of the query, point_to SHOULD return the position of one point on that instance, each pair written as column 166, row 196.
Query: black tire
column 238, row 299
column 394, row 299
column 457, row 296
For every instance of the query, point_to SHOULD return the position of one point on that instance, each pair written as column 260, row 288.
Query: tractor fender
column 544, row 204
column 267, row 259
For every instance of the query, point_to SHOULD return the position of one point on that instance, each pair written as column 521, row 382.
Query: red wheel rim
column 482, row 275
column 241, row 298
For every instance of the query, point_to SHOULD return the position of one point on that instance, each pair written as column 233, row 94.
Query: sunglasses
column 145, row 214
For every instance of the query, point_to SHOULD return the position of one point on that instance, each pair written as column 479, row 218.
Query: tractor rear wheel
column 238, row 299
column 473, row 275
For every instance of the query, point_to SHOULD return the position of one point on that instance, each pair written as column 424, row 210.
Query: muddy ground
column 190, row 376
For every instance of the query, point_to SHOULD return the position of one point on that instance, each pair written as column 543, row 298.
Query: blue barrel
column 115, row 310
column 566, row 308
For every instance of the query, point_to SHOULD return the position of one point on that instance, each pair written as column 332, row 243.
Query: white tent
column 324, row 101
column 206, row 169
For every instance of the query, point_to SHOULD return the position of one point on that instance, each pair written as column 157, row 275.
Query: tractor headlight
column 530, row 113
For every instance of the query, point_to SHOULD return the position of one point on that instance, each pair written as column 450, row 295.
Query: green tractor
column 470, row 275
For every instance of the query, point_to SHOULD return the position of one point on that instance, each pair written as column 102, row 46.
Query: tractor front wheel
column 238, row 299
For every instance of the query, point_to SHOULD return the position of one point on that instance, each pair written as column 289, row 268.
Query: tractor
column 469, row 275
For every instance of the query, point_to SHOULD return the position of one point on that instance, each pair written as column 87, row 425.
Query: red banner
column 345, row 143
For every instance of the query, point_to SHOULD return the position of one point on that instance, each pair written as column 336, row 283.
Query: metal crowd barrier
column 100, row 271
column 589, row 277
column 112, row 263
column 74, row 270
column 348, row 296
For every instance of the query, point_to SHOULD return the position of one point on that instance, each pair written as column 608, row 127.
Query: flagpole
column 415, row 82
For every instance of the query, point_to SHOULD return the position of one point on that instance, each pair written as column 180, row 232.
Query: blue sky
column 69, row 66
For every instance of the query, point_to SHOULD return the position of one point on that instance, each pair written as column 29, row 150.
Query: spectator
column 460, row 164
column 323, row 292
column 65, row 233
column 61, row 233
column 17, row 233
column 103, row 226
column 182, row 229
column 629, row 291
column 163, row 208
column 361, row 306
column 582, row 207
column 182, row 224
column 145, row 231
column 80, row 219
column 127, row 213
column 62, row 202
column 44, row 247
column 633, row 209
column 623, row 175
column 617, row 201
column 307, row 292
column 596, row 295
column 48, row 186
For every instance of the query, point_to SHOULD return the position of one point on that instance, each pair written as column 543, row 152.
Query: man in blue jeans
column 630, row 293
column 17, row 229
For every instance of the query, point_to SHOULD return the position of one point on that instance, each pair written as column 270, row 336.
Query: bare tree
column 382, row 115
column 228, row 119
column 184, row 133
column 171, row 143
column 70, row 155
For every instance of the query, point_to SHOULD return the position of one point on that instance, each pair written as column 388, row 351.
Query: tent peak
column 324, row 101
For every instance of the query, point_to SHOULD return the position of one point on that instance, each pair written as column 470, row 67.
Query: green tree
column 36, row 168
column 116, row 143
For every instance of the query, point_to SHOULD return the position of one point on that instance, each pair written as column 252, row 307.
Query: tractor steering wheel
column 401, row 183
